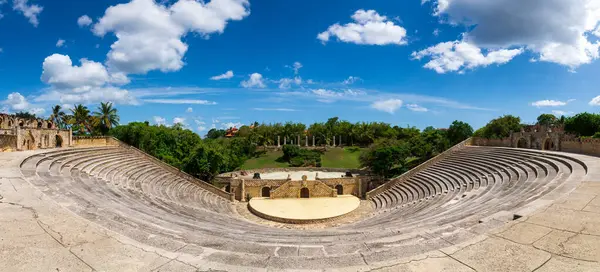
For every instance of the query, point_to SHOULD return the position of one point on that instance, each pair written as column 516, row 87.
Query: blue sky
column 232, row 62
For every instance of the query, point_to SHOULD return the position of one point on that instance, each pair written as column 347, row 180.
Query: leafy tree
column 81, row 119
column 547, row 120
column 107, row 117
column 583, row 124
column 458, row 132
column 215, row 133
column 25, row 115
column 501, row 127
column 207, row 161
column 385, row 156
column 58, row 116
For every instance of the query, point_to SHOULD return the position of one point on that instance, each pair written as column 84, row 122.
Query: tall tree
column 58, row 116
column 107, row 117
column 81, row 119
column 458, row 132
column 547, row 119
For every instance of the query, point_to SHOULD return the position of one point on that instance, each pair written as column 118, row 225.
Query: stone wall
column 351, row 186
column 31, row 139
column 292, row 189
column 8, row 143
column 91, row 141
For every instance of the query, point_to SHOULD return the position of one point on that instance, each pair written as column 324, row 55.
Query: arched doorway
column 266, row 192
column 228, row 188
column 522, row 143
column 340, row 189
column 304, row 193
column 548, row 144
column 59, row 141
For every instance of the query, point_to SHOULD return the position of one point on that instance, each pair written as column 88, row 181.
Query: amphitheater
column 473, row 208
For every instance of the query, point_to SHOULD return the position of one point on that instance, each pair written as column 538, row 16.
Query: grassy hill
column 334, row 158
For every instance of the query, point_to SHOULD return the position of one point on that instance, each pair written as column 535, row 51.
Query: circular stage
column 303, row 210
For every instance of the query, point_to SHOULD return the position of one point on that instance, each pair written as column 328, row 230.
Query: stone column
column 70, row 136
column 313, row 140
column 298, row 140
column 278, row 145
column 18, row 133
column 284, row 140
column 306, row 141
column 340, row 141
column 243, row 198
column 333, row 144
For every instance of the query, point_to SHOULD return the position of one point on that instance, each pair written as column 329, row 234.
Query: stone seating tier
column 471, row 189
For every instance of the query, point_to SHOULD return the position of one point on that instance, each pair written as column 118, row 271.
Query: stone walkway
column 39, row 234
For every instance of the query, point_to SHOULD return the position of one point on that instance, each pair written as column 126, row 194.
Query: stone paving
column 46, row 227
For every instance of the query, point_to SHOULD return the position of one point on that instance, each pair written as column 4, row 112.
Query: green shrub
column 353, row 149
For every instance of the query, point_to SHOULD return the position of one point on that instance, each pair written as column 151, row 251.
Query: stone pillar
column 340, row 141
column 284, row 140
column 278, row 145
column 306, row 141
column 313, row 140
column 333, row 144
column 70, row 136
column 243, row 198
column 18, row 133
column 298, row 140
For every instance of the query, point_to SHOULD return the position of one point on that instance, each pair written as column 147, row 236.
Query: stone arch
column 49, row 125
column 304, row 193
column 340, row 189
column 59, row 141
column 265, row 192
column 21, row 123
column 228, row 188
column 522, row 143
column 548, row 144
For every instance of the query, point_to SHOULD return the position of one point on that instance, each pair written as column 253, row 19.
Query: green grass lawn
column 334, row 158
column 340, row 158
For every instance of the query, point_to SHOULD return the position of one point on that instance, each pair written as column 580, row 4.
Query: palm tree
column 58, row 116
column 107, row 116
column 81, row 118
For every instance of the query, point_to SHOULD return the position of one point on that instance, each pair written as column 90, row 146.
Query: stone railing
column 408, row 174
column 112, row 141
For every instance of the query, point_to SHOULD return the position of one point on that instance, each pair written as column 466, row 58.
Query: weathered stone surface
column 525, row 233
column 572, row 245
column 495, row 254
column 561, row 264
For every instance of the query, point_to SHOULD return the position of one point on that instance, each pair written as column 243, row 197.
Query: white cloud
column 149, row 34
column 60, row 43
column 255, row 81
column 31, row 12
column 199, row 122
column 159, row 120
column 458, row 56
column 180, row 101
column 436, row 32
column 84, row 21
column 286, row 83
column 58, row 70
column 351, row 80
column 548, row 103
column 296, row 67
column 415, row 107
column 368, row 28
column 179, row 120
column 231, row 125
column 226, row 75
column 189, row 110
column 562, row 113
column 595, row 101
column 201, row 128
column 557, row 31
column 273, row 109
column 17, row 102
column 37, row 111
column 389, row 106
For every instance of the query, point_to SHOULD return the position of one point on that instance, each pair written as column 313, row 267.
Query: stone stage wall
column 8, row 143
column 92, row 141
column 292, row 189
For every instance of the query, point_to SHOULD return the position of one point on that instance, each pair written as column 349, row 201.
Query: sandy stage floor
column 305, row 208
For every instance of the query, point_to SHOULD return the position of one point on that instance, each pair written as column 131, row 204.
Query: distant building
column 231, row 132
column 17, row 134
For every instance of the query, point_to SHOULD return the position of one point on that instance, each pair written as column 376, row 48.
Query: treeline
column 392, row 149
column 582, row 125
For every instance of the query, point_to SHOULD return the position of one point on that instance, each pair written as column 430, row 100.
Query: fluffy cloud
column 296, row 67
column 179, row 120
column 189, row 110
column 84, row 21
column 226, row 75
column 368, row 28
column 149, row 34
column 231, row 124
column 17, row 102
column 415, row 107
column 88, row 83
column 58, row 70
column 562, row 113
column 60, row 43
column 389, row 106
column 286, row 83
column 458, row 56
column 548, row 103
column 351, row 80
column 557, row 31
column 595, row 101
column 255, row 81
column 31, row 12
column 159, row 120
